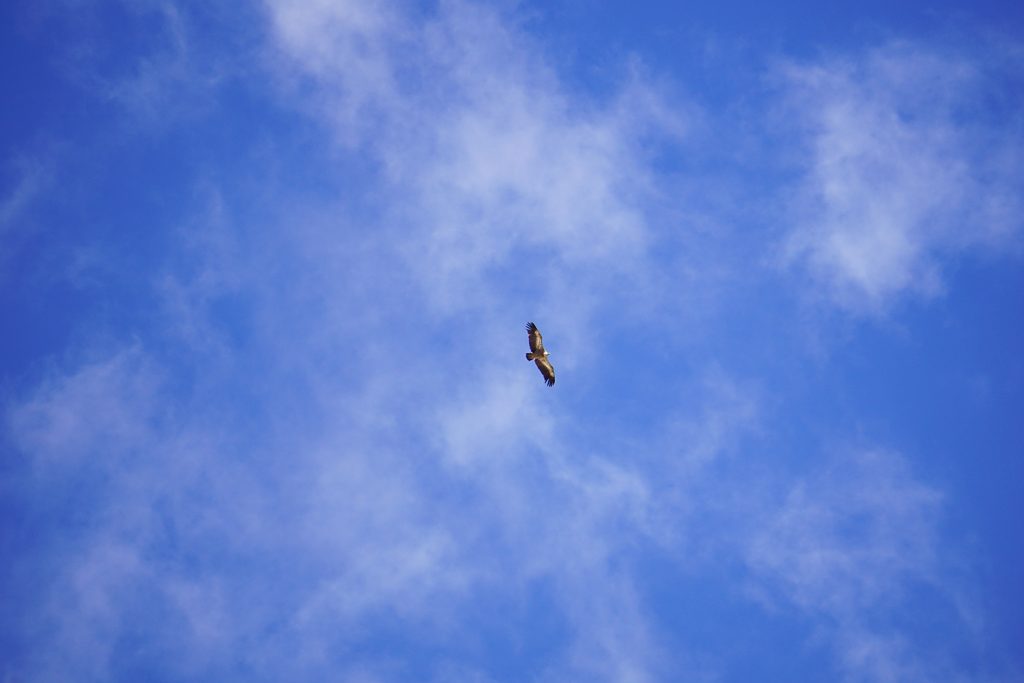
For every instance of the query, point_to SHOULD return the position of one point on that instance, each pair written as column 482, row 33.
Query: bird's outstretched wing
column 536, row 341
column 546, row 369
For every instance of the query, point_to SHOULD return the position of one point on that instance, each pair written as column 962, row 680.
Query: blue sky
column 265, row 270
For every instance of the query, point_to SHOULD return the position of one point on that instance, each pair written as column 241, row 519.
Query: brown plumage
column 538, row 355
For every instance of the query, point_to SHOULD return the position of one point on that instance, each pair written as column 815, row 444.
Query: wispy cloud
column 494, row 165
column 846, row 545
column 326, row 436
column 99, row 411
column 29, row 178
column 904, row 170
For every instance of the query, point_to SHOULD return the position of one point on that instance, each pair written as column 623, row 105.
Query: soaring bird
column 538, row 355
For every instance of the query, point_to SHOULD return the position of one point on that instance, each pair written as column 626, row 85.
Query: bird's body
column 538, row 355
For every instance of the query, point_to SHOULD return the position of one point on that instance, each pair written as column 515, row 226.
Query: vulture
column 538, row 355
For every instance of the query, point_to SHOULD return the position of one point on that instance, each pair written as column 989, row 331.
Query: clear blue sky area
column 265, row 272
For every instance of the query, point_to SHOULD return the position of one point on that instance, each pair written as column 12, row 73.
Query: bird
column 539, row 356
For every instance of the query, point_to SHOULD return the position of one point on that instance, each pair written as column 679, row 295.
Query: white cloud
column 350, row 528
column 349, row 45
column 850, row 546
column 85, row 612
column 172, row 75
column 101, row 410
column 489, row 160
column 850, row 534
column 508, row 192
column 373, row 448
column 906, row 169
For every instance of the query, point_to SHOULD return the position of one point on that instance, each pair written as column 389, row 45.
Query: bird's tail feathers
column 530, row 356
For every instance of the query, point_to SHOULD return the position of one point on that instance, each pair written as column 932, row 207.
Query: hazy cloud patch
column 846, row 545
column 903, row 171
